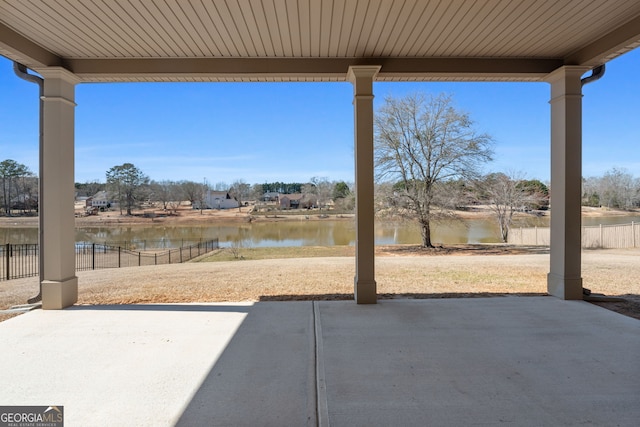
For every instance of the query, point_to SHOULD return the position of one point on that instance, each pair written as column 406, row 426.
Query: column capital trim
column 360, row 71
column 567, row 71
column 59, row 73
column 566, row 81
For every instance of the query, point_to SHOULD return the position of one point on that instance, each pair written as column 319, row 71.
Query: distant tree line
column 130, row 187
column 617, row 188
column 282, row 187
column 505, row 193
column 19, row 188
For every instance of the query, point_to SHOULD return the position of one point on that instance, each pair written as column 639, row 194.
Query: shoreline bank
column 187, row 216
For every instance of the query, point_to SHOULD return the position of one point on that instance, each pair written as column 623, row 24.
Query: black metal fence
column 20, row 261
column 147, row 244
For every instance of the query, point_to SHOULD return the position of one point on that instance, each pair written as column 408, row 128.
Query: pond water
column 293, row 233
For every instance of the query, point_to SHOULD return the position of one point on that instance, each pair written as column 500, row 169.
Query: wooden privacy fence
column 23, row 260
column 598, row 236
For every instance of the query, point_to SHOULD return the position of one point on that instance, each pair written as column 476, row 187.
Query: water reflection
column 292, row 233
column 18, row 235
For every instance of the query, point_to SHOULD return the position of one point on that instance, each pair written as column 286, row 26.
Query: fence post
column 180, row 254
column 633, row 233
column 155, row 259
column 93, row 256
column 8, row 264
column 139, row 259
column 169, row 256
column 118, row 256
column 601, row 242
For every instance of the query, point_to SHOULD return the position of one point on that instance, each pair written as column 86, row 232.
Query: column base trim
column 365, row 292
column 564, row 288
column 57, row 295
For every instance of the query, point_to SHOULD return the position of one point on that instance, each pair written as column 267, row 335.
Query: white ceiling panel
column 75, row 33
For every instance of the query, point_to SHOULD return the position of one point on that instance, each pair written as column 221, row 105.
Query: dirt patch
column 629, row 307
column 460, row 249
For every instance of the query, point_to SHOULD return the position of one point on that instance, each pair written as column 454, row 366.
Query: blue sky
column 264, row 132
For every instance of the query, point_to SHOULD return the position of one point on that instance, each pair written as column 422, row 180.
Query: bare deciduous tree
column 618, row 189
column 10, row 174
column 505, row 197
column 324, row 189
column 176, row 196
column 240, row 191
column 192, row 191
column 162, row 192
column 90, row 188
column 421, row 141
column 220, row 186
column 310, row 193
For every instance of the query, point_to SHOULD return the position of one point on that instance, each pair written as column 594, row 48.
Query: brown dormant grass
column 400, row 272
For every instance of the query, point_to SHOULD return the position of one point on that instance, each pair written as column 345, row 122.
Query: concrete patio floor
column 525, row 361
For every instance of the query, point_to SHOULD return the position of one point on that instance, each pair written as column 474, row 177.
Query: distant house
column 297, row 201
column 217, row 200
column 270, row 196
column 99, row 200
column 24, row 202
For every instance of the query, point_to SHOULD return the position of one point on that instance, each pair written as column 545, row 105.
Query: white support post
column 564, row 279
column 364, row 282
column 601, row 238
column 59, row 284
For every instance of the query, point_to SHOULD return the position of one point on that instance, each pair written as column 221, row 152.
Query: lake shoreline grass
column 239, row 253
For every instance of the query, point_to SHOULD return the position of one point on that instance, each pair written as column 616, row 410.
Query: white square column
column 59, row 281
column 564, row 279
column 364, row 283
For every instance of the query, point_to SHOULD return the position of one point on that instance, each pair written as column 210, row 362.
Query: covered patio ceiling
column 315, row 40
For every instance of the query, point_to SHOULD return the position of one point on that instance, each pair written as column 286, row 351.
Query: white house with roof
column 217, row 200
column 100, row 200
